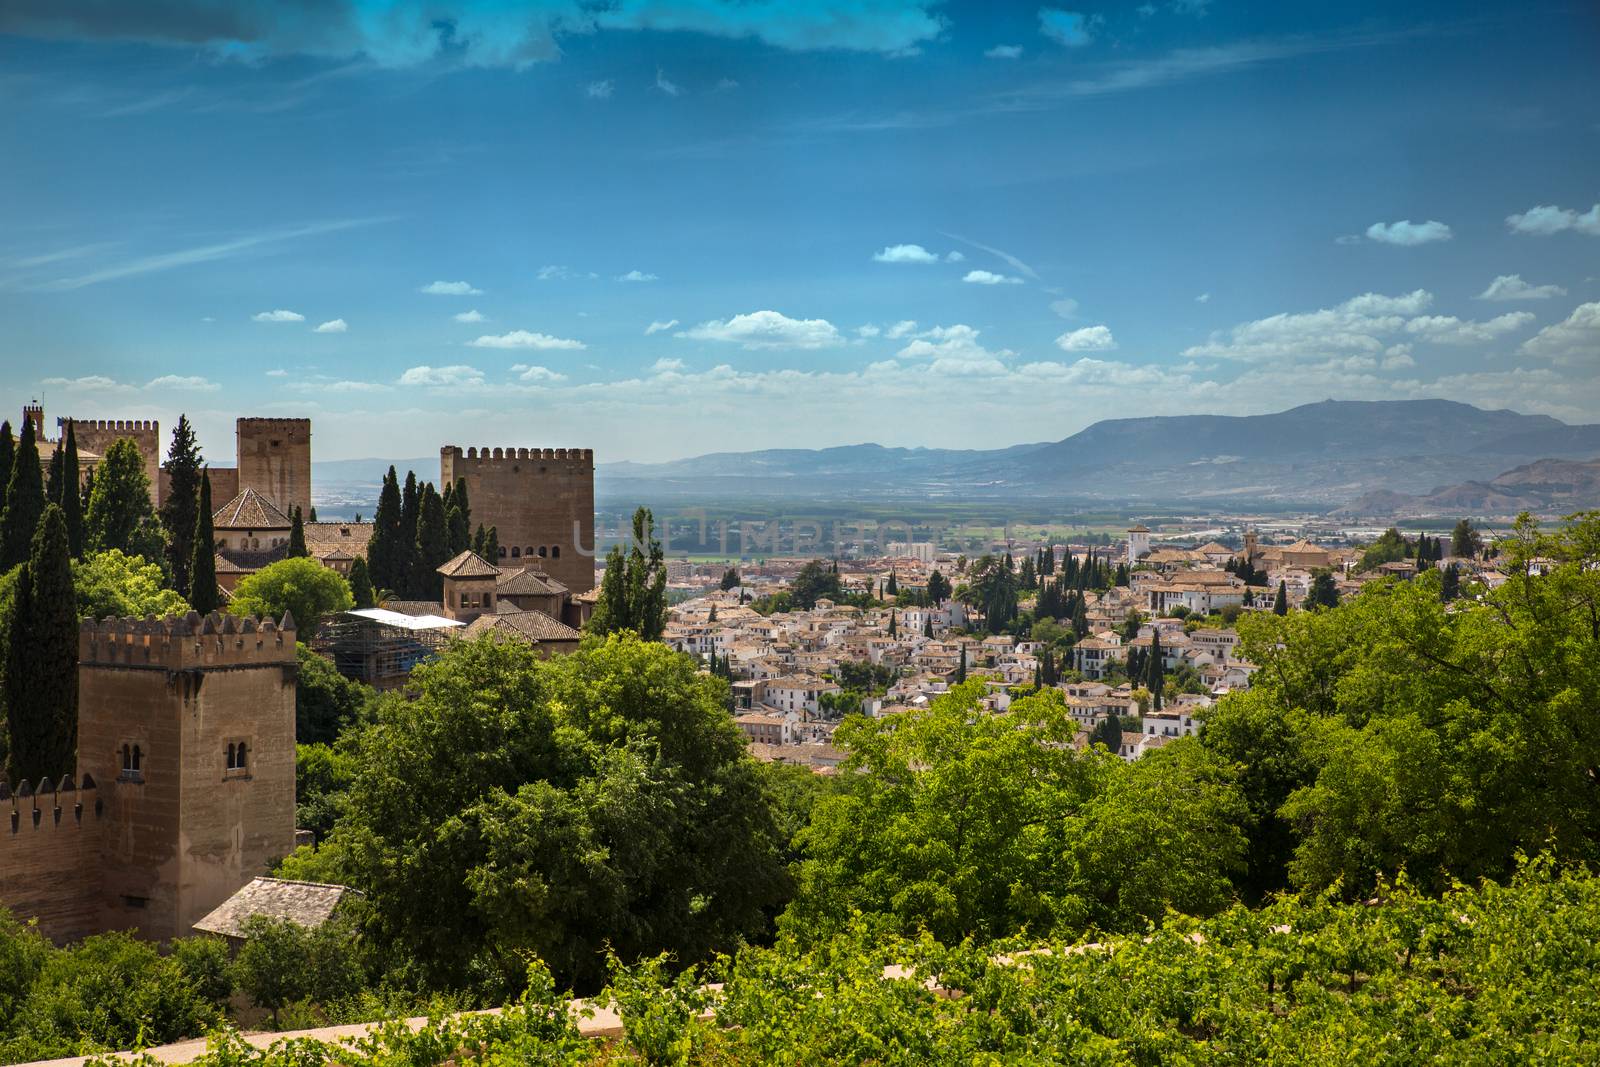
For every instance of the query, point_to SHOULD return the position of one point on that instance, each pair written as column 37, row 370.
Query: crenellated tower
column 274, row 459
column 187, row 726
column 540, row 500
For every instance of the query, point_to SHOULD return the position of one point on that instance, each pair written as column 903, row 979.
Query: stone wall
column 50, row 843
column 536, row 498
column 98, row 435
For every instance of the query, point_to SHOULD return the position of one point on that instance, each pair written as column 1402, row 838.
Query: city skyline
column 792, row 225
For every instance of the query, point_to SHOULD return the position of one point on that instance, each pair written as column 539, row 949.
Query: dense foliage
column 298, row 586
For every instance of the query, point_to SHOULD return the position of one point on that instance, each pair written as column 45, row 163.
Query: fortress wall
column 536, row 498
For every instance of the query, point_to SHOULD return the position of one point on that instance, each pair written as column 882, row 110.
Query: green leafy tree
column 633, row 592
column 730, row 579
column 361, row 584
column 1465, row 541
column 204, row 596
column 303, row 588
column 1324, row 593
column 938, row 588
column 113, row 584
column 40, row 686
column 603, row 796
column 120, row 515
column 282, row 962
column 1450, row 583
column 326, row 703
column 24, row 501
column 1390, row 547
column 816, row 581
column 1107, row 732
column 179, row 510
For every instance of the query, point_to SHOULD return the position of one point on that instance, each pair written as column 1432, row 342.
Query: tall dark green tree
column 8, row 456
column 1280, row 605
column 432, row 546
column 24, row 501
column 361, row 584
column 938, row 587
column 961, row 666
column 927, row 625
column 183, row 466
column 387, row 556
column 203, row 595
column 1450, row 583
column 633, row 593
column 1156, row 678
column 297, row 535
column 410, row 516
column 52, row 479
column 120, row 513
column 71, row 500
column 486, row 543
column 1465, row 541
column 1324, row 593
column 41, row 660
column 893, row 588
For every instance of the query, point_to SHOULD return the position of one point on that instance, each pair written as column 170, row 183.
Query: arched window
column 555, row 551
column 137, row 759
column 127, row 759
column 231, row 764
column 238, row 756
column 516, row 553
column 502, row 551
column 541, row 552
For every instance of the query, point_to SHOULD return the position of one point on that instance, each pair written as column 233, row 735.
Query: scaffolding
column 381, row 647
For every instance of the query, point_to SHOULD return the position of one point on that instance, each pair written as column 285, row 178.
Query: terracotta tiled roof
column 250, row 511
column 309, row 904
column 352, row 536
column 531, row 626
column 469, row 565
column 414, row 607
column 528, row 581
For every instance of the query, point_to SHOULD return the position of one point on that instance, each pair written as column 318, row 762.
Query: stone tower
column 274, row 459
column 188, row 725
column 98, row 435
column 1138, row 543
column 540, row 500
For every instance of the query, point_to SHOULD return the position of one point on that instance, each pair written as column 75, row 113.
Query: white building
column 1138, row 543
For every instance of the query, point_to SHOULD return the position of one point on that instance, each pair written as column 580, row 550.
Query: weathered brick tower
column 98, row 435
column 540, row 500
column 274, row 459
column 186, row 726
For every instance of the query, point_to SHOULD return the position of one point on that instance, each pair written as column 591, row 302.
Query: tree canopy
column 299, row 586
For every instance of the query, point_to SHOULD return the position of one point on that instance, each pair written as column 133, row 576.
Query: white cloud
column 599, row 90
column 88, row 383
column 525, row 339
column 665, row 366
column 954, row 351
column 277, row 372
column 1069, row 28
column 527, row 373
column 455, row 375
column 637, row 276
column 1397, row 357
column 1546, row 219
column 470, row 316
column 1576, row 340
column 868, row 331
column 659, row 325
column 1203, row 298
column 905, row 254
column 1405, row 232
column 1357, row 326
column 767, row 329
column 1004, row 51
column 450, row 289
column 984, row 277
column 1512, row 287
column 558, row 273
column 903, row 328
column 280, row 315
column 1066, row 307
column 1088, row 339
column 333, row 326
column 1449, row 330
column 671, row 88
column 954, row 257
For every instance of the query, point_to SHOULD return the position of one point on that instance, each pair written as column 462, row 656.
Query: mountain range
column 1407, row 454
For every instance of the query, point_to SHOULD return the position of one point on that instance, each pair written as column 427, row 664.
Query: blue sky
column 664, row 227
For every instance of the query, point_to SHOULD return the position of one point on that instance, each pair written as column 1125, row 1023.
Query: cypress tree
column 384, row 555
column 410, row 514
column 71, row 499
column 203, row 594
column 961, row 667
column 432, row 548
column 456, row 530
column 41, row 668
column 24, row 501
column 361, row 584
column 1156, row 680
column 891, row 624
column 52, row 480
column 313, row 516
column 297, row 535
column 927, row 625
column 8, row 456
column 1080, row 618
column 893, row 589
column 1280, row 605
column 460, row 500
column 178, row 510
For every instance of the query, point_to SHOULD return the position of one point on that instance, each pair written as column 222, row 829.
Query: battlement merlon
column 252, row 422
column 112, row 425
column 187, row 642
column 490, row 455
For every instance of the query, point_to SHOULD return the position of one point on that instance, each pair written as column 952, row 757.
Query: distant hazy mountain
column 1317, row 454
column 1543, row 486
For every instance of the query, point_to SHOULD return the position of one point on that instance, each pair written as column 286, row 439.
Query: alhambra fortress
column 185, row 783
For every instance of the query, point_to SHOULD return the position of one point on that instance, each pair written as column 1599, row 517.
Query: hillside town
column 882, row 645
